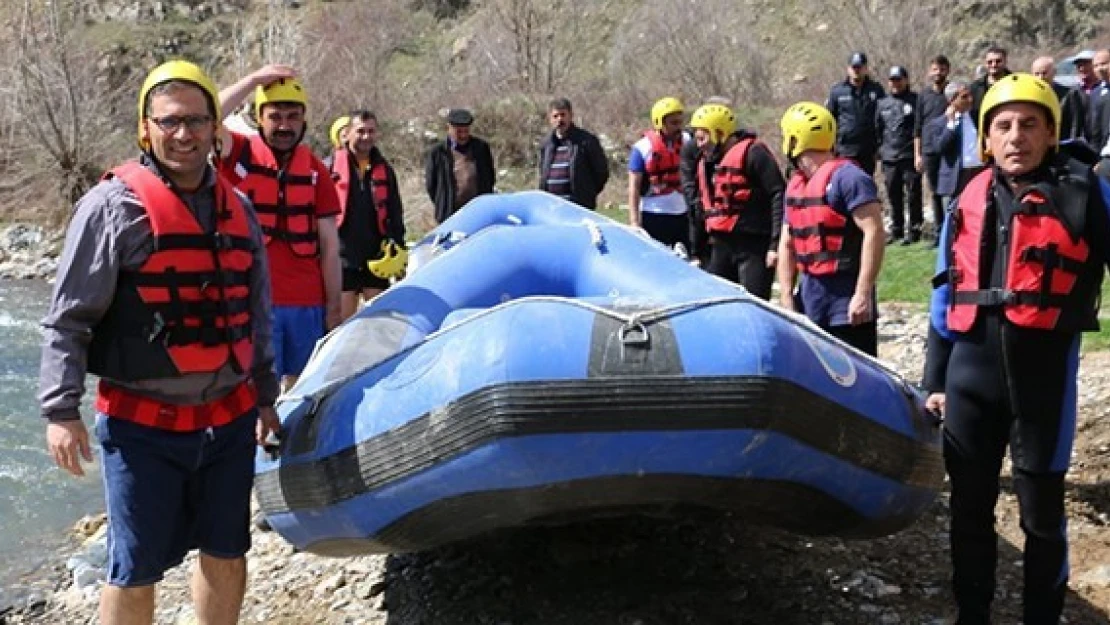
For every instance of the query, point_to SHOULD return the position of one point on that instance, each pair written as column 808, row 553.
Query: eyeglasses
column 171, row 123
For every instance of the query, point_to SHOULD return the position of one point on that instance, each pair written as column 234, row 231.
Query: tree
column 61, row 126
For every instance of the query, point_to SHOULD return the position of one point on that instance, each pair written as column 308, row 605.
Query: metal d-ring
column 634, row 333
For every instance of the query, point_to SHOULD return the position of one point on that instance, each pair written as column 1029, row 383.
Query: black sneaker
column 906, row 242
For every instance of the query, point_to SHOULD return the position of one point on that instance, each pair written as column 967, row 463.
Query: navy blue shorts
column 296, row 330
column 170, row 492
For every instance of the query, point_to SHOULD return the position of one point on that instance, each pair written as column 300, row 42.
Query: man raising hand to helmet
column 1020, row 267
column 296, row 203
column 833, row 230
column 163, row 292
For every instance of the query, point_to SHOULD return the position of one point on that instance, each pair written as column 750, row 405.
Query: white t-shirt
column 671, row 203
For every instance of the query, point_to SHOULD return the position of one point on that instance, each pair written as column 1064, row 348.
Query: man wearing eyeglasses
column 297, row 204
column 163, row 291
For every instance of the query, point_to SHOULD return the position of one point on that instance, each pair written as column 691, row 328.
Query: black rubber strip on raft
column 617, row 404
column 785, row 505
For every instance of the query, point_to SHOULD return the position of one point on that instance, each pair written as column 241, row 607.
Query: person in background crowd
column 337, row 134
column 573, row 165
column 688, row 169
column 372, row 221
column 1084, row 62
column 832, row 231
column 931, row 104
column 187, row 385
column 1098, row 109
column 853, row 103
column 994, row 67
column 1073, row 102
column 459, row 169
column 894, row 124
column 741, row 191
column 957, row 141
column 655, row 201
column 1018, row 280
column 293, row 195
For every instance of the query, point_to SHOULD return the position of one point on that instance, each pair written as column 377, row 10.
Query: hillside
column 72, row 68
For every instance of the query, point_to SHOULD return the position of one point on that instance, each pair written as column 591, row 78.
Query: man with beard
column 931, row 104
column 994, row 68
column 853, row 103
column 296, row 204
column 372, row 223
column 741, row 190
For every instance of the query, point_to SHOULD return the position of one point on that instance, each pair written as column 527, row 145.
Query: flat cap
column 459, row 117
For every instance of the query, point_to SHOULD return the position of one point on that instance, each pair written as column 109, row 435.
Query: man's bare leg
column 127, row 606
column 218, row 587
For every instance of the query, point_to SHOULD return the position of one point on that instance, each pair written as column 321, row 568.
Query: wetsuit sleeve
column 766, row 170
column 86, row 284
column 940, row 339
column 262, row 368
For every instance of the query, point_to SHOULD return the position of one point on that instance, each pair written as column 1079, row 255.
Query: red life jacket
column 285, row 200
column 825, row 241
column 379, row 187
column 185, row 310
column 731, row 189
column 1044, row 262
column 662, row 165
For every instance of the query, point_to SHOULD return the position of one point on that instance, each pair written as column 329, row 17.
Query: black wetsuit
column 1013, row 386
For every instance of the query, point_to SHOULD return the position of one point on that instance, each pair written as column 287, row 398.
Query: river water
column 38, row 501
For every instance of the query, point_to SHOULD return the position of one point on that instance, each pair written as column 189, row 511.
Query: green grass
column 907, row 272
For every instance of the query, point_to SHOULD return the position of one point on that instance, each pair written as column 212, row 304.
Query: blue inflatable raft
column 543, row 364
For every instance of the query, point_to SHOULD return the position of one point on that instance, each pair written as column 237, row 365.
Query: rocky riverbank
column 29, row 252
column 654, row 572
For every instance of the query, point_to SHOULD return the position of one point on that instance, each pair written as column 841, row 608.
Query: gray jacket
column 110, row 232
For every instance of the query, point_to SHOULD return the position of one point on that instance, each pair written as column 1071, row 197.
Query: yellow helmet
column 1017, row 87
column 716, row 118
column 281, row 90
column 392, row 263
column 176, row 70
column 337, row 127
column 807, row 126
column 664, row 107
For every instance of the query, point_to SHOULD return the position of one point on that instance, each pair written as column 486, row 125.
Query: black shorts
column 355, row 280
